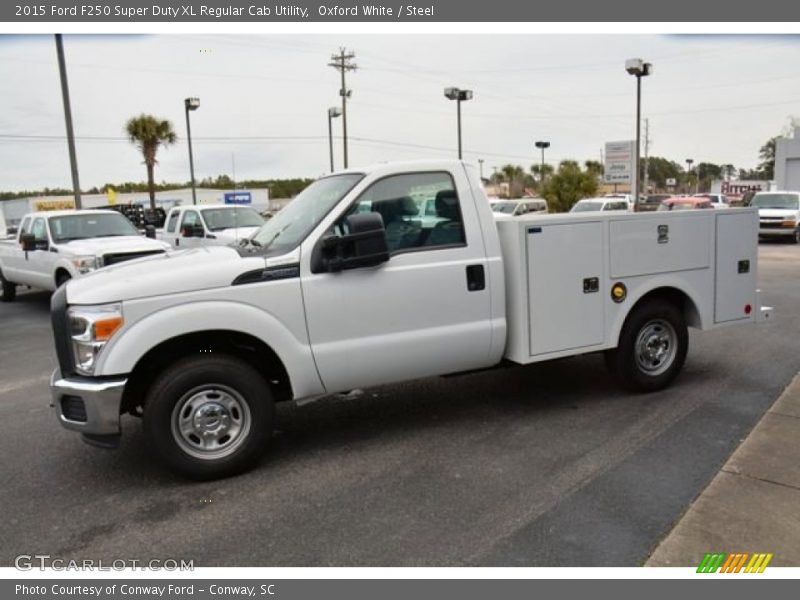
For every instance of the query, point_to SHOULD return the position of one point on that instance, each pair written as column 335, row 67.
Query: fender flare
column 132, row 342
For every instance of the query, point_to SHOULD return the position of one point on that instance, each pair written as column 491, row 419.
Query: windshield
column 291, row 225
column 85, row 226
column 789, row 201
column 218, row 219
column 587, row 206
column 506, row 208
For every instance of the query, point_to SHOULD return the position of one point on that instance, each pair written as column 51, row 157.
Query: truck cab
column 209, row 225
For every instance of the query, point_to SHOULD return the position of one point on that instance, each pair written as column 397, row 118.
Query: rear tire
column 9, row 289
column 652, row 347
column 796, row 236
column 209, row 417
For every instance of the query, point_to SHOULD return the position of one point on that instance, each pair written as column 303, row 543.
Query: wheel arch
column 237, row 344
column 680, row 298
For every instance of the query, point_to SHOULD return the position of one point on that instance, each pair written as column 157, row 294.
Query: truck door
column 39, row 265
column 424, row 312
column 190, row 223
column 171, row 228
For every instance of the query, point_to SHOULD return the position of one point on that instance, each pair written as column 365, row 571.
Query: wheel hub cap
column 211, row 421
column 656, row 346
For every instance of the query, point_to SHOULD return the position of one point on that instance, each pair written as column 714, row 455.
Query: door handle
column 476, row 278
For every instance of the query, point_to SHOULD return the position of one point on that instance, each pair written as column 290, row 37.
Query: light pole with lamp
column 333, row 112
column 191, row 104
column 542, row 146
column 638, row 68
column 689, row 163
column 459, row 95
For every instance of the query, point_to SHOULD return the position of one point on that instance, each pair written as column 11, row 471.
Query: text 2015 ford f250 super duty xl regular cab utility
column 347, row 288
column 53, row 247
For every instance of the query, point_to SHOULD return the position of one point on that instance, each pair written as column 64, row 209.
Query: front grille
column 73, row 409
column 771, row 224
column 112, row 259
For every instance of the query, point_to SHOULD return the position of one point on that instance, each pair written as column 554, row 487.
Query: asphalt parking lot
column 548, row 465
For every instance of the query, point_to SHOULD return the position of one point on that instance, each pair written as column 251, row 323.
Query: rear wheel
column 209, row 417
column 9, row 289
column 652, row 347
column 796, row 236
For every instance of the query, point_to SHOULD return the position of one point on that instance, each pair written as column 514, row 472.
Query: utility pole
column 480, row 164
column 342, row 63
column 646, row 150
column 73, row 159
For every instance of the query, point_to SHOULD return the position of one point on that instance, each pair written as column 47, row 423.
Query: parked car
column 209, row 225
column 653, row 201
column 345, row 289
column 685, row 203
column 606, row 203
column 717, row 200
column 627, row 197
column 56, row 246
column 522, row 206
column 779, row 215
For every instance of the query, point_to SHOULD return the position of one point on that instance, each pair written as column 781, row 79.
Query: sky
column 264, row 100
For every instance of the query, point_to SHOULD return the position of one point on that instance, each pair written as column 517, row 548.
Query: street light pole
column 73, row 159
column 480, row 166
column 638, row 68
column 190, row 104
column 542, row 146
column 333, row 112
column 459, row 95
column 689, row 163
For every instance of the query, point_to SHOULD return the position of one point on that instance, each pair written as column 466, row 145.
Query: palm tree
column 512, row 174
column 148, row 133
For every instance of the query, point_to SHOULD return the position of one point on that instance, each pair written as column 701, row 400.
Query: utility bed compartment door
column 660, row 245
column 565, row 286
column 735, row 286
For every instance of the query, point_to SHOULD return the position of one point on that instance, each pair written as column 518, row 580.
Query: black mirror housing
column 364, row 246
column 27, row 241
column 150, row 231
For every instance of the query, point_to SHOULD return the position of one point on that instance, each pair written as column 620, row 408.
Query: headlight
column 90, row 327
column 84, row 264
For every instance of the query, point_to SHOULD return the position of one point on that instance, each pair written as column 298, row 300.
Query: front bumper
column 776, row 231
column 90, row 406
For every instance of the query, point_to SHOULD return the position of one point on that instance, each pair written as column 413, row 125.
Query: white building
column 787, row 162
column 259, row 199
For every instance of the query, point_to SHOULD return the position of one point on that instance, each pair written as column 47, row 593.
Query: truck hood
column 235, row 233
column 778, row 212
column 112, row 245
column 169, row 273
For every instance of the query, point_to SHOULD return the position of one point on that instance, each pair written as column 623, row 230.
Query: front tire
column 652, row 347
column 9, row 289
column 209, row 417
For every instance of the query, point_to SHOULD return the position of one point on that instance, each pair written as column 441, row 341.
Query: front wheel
column 652, row 347
column 9, row 289
column 209, row 417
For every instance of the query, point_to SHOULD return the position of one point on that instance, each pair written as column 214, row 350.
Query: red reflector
column 748, row 309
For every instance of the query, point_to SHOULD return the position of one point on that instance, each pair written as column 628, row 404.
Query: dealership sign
column 238, row 198
column 619, row 159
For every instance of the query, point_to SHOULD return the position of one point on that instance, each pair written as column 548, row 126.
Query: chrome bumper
column 101, row 400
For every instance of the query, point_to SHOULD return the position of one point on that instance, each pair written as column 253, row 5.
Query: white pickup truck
column 209, row 225
column 348, row 288
column 55, row 246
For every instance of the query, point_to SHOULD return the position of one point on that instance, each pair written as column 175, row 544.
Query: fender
column 133, row 341
column 636, row 291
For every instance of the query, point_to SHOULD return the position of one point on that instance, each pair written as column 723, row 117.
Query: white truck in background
column 348, row 288
column 53, row 247
column 209, row 225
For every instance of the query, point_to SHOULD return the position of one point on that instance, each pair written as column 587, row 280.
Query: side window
column 26, row 226
column 39, row 230
column 173, row 220
column 190, row 219
column 404, row 202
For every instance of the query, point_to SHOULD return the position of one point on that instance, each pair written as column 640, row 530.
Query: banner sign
column 620, row 158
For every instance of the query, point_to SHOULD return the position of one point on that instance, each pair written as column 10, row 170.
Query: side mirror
column 150, row 231
column 364, row 246
column 28, row 242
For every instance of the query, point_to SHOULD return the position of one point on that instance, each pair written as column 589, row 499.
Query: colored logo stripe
column 734, row 563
